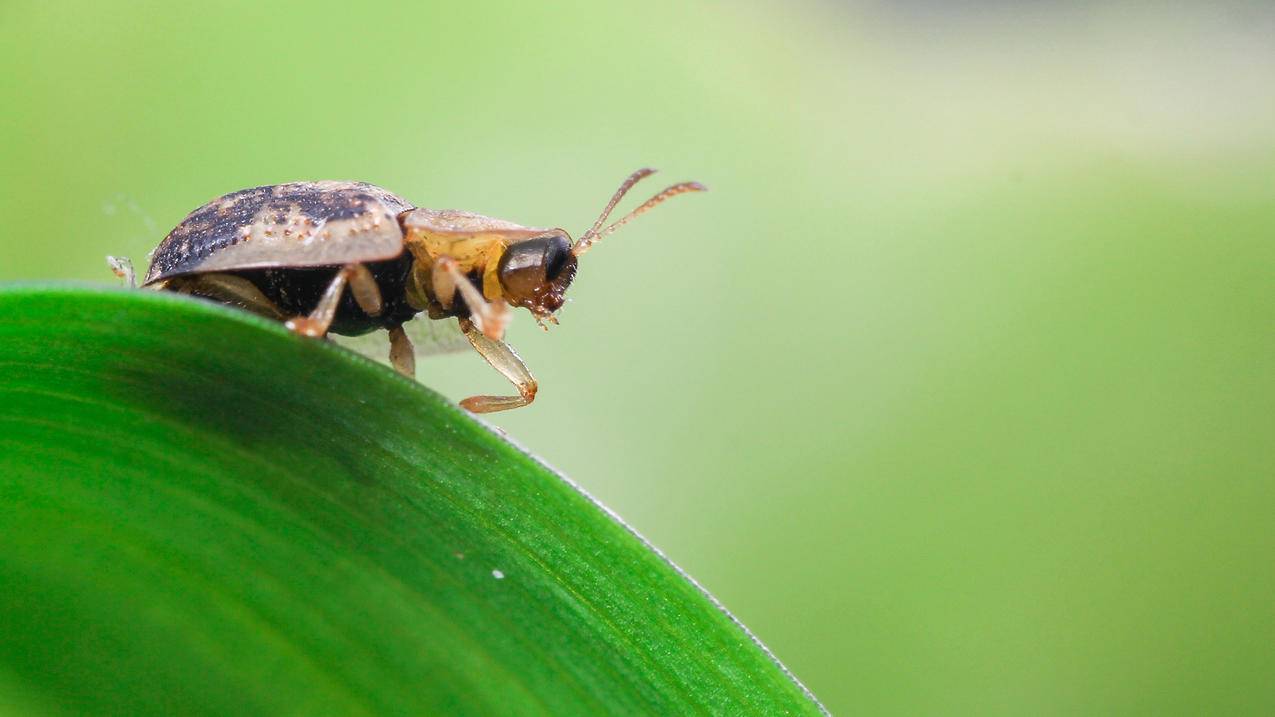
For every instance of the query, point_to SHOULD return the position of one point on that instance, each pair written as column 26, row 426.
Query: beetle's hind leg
column 503, row 359
column 227, row 289
column 362, row 286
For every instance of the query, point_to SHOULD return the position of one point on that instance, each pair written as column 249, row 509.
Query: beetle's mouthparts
column 543, row 321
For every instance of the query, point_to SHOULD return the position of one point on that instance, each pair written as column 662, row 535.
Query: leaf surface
column 202, row 513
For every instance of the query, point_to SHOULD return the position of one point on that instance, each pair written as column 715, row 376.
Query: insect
column 351, row 258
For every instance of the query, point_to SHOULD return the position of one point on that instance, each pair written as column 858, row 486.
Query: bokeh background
column 957, row 387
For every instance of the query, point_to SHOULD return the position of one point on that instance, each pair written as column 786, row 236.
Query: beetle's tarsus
column 503, row 359
column 305, row 326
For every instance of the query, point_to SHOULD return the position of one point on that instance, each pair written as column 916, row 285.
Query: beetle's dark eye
column 557, row 250
column 540, row 259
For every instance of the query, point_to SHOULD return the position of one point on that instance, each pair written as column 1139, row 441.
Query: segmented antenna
column 593, row 234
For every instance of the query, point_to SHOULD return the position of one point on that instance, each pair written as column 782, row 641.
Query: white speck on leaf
column 497, row 575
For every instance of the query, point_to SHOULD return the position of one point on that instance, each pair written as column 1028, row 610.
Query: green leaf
column 202, row 513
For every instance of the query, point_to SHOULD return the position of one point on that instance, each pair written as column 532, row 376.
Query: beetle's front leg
column 491, row 318
column 503, row 359
column 362, row 286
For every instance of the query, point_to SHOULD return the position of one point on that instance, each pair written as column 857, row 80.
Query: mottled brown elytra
column 291, row 251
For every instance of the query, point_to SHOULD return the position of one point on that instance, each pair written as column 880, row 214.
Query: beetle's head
column 536, row 272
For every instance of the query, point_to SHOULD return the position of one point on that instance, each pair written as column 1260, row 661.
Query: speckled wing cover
column 296, row 224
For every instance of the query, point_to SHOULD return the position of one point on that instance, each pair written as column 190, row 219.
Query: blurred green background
column 956, row 388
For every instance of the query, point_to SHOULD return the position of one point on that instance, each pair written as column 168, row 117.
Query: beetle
column 351, row 258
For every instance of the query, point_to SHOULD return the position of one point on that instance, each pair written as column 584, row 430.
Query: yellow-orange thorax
column 474, row 241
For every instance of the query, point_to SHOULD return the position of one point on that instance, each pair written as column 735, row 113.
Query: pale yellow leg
column 442, row 283
column 365, row 292
column 363, row 286
column 402, row 353
column 491, row 318
column 227, row 289
column 503, row 359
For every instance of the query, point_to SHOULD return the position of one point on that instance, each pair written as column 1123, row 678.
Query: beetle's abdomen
column 297, row 291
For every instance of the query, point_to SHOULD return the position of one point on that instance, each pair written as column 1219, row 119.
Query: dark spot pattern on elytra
column 227, row 220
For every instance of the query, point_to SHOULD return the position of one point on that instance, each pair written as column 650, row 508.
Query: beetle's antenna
column 593, row 234
column 615, row 199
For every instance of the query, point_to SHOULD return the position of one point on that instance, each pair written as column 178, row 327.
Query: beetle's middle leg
column 402, row 353
column 362, row 286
